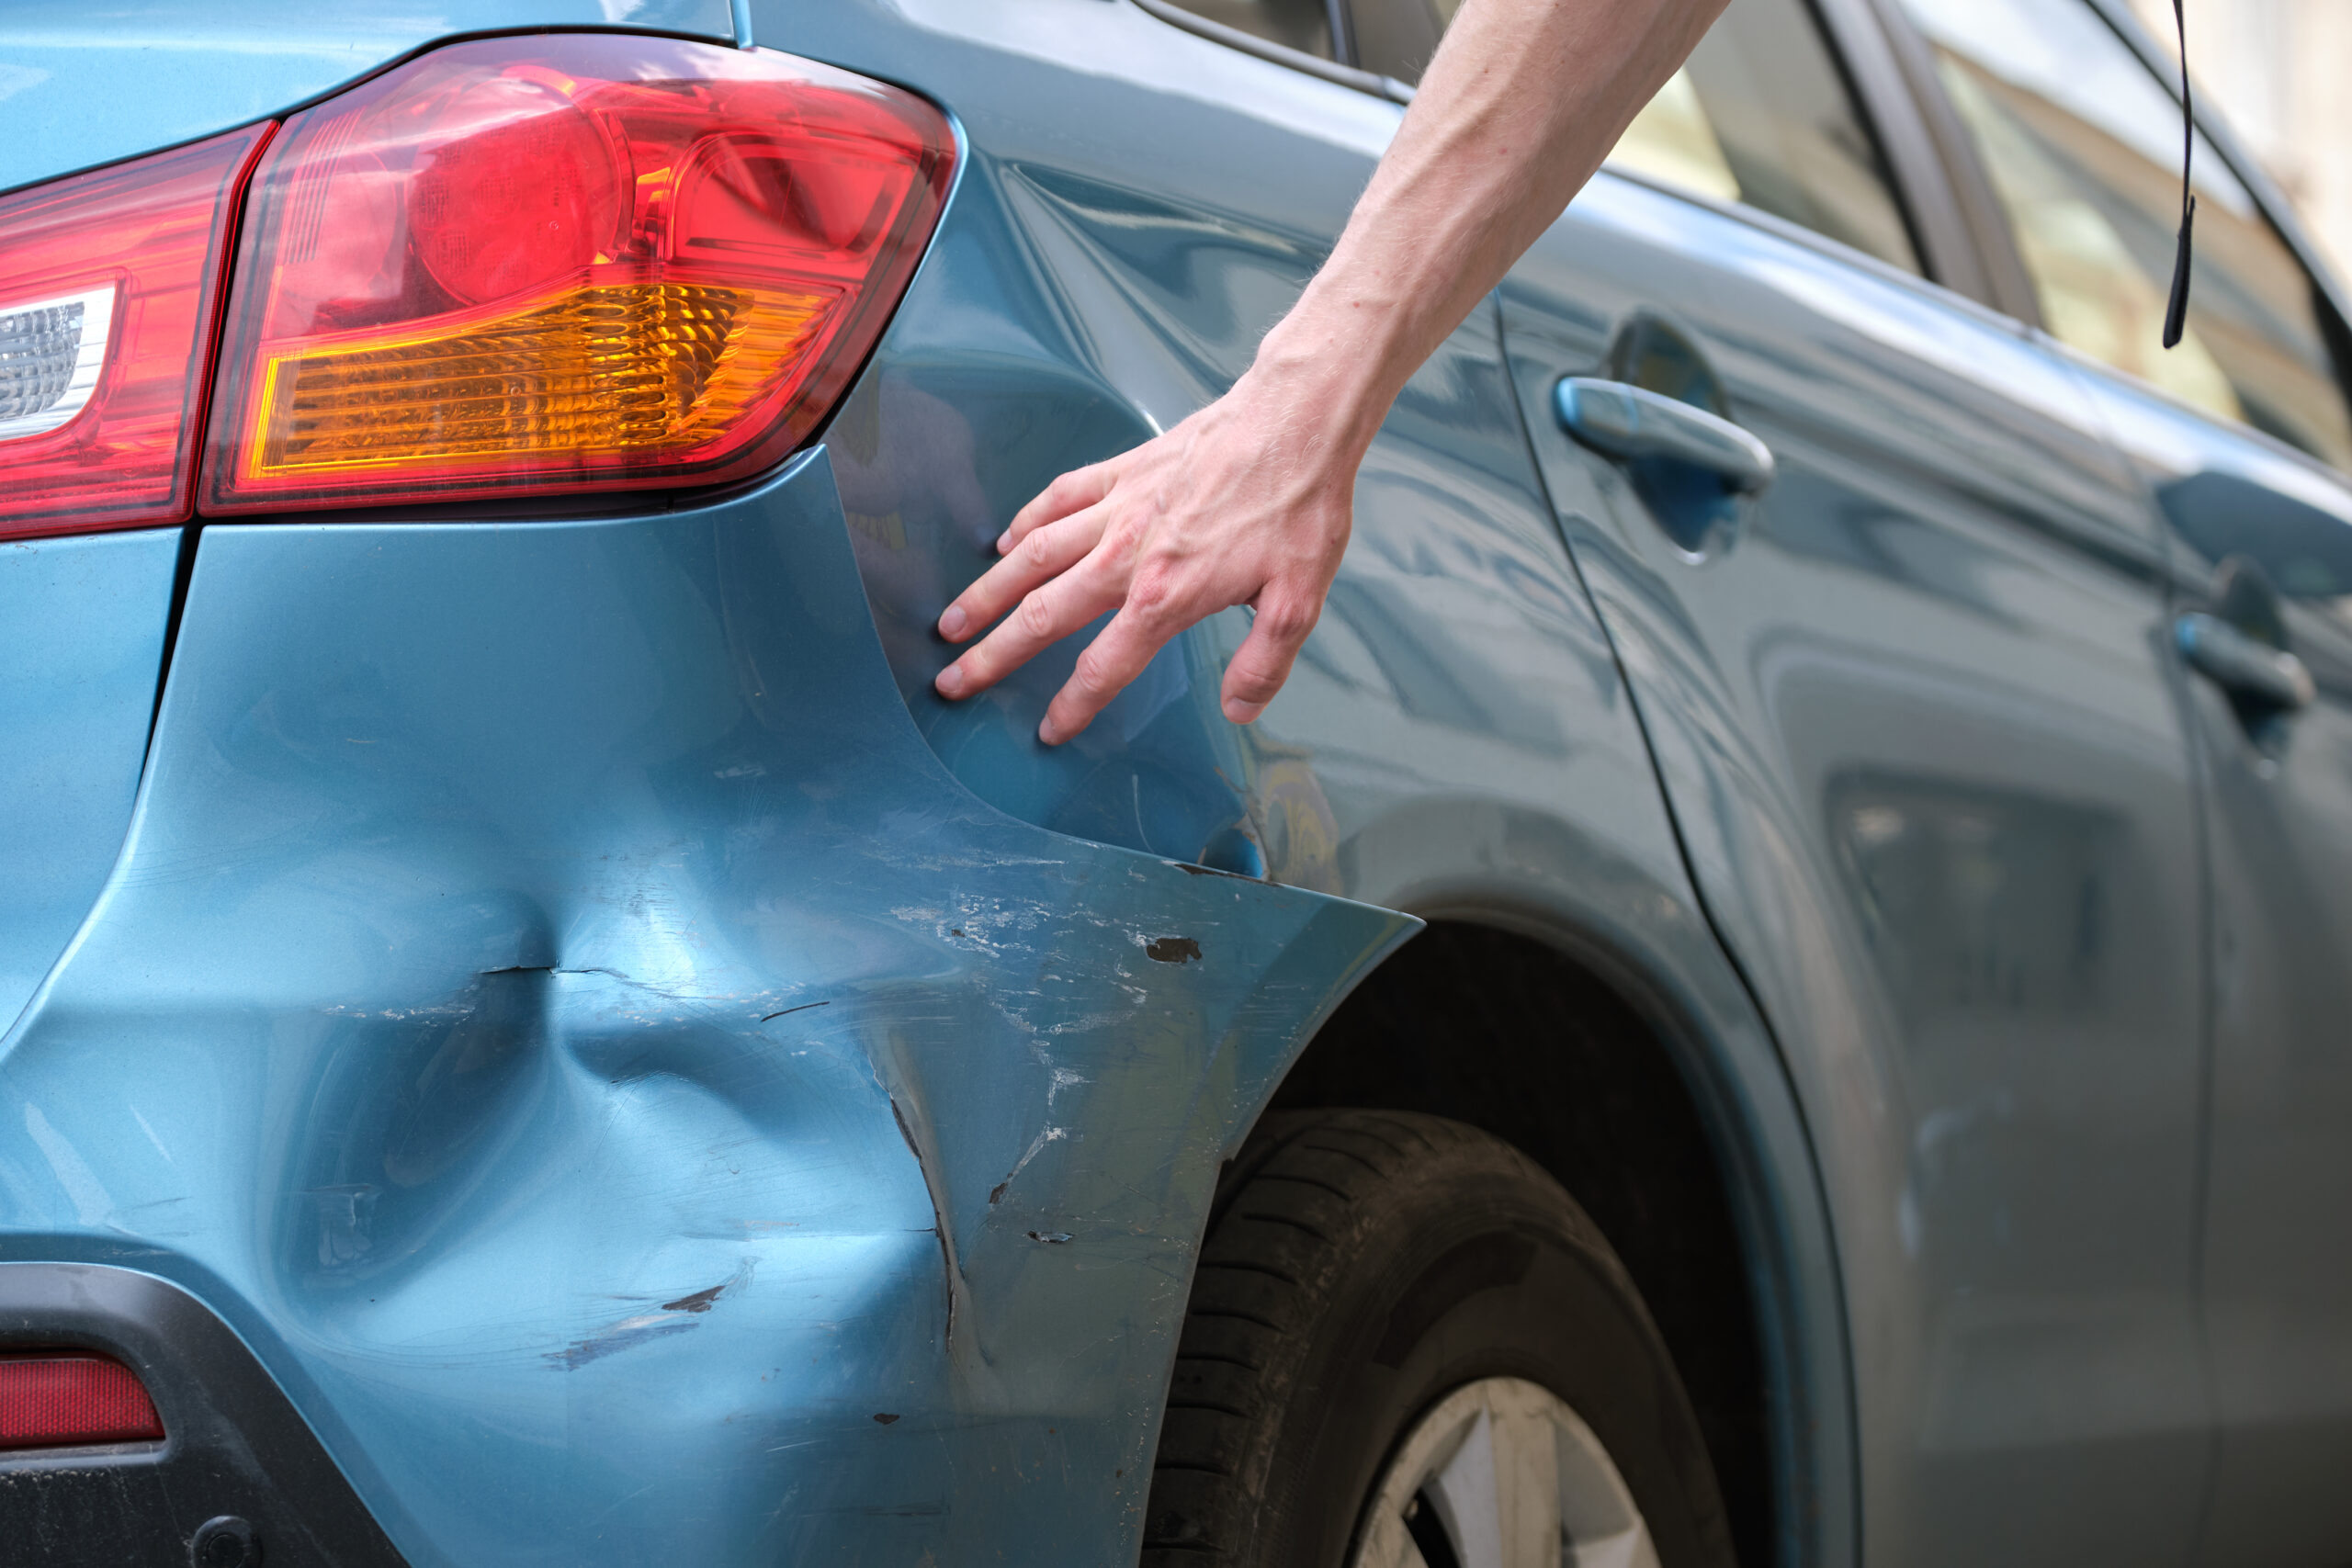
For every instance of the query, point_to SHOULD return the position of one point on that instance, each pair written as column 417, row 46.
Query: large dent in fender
column 557, row 1008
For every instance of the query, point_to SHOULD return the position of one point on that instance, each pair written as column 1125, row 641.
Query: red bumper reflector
column 562, row 263
column 109, row 297
column 67, row 1401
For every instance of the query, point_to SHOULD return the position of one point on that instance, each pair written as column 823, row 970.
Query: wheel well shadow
column 1518, row 1038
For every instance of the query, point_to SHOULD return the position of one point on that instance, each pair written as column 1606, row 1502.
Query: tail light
column 67, row 1399
column 108, row 298
column 563, row 262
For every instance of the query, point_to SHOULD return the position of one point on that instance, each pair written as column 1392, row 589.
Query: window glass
column 1762, row 115
column 2082, row 145
column 1396, row 38
column 1303, row 25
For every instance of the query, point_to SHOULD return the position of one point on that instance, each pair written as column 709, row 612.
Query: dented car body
column 541, row 1039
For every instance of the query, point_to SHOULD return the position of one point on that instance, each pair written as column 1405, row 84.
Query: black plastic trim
column 234, row 1446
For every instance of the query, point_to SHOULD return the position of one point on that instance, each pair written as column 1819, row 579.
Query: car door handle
column 1627, row 422
column 2240, row 665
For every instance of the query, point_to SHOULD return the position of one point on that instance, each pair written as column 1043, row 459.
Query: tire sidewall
column 1403, row 1322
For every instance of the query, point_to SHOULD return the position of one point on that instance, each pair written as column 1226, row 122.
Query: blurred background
column 2281, row 71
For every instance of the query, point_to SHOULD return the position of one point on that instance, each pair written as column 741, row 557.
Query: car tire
column 1369, row 1273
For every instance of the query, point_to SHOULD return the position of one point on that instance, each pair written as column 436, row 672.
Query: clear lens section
column 109, row 303
column 50, row 353
column 564, row 263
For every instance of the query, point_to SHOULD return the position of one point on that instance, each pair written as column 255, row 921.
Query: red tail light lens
column 68, row 1400
column 109, row 296
column 564, row 263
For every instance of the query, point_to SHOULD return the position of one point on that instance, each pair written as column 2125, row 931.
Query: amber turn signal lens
column 564, row 263
column 635, row 368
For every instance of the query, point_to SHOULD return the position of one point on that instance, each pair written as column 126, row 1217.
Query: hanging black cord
column 2176, row 308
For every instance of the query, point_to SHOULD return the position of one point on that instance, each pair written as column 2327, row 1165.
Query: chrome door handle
column 2240, row 665
column 1626, row 423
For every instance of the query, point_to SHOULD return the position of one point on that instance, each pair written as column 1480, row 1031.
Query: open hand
column 1242, row 504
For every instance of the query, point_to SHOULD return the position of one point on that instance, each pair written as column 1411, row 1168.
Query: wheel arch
column 1632, row 1065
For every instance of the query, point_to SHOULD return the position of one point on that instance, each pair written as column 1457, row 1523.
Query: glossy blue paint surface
column 480, row 865
column 81, row 639
column 82, row 86
column 573, row 981
column 1914, row 718
column 1457, row 738
column 2278, row 794
column 640, row 1105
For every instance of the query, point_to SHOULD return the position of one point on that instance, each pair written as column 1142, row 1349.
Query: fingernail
column 1004, row 541
column 1241, row 712
column 953, row 623
column 1047, row 733
column 951, row 682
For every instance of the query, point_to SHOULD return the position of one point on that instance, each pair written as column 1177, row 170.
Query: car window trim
column 1332, row 71
column 1921, row 185
column 2007, row 286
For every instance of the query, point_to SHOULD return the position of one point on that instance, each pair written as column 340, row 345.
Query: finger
column 1263, row 660
column 1108, row 665
column 1074, row 491
column 1043, row 617
column 1045, row 554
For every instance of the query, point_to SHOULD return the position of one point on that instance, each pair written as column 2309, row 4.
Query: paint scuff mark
column 804, row 1006
column 885, row 1417
column 622, row 1335
column 1172, row 950
column 1050, row 1134
column 1051, row 1238
column 674, row 1317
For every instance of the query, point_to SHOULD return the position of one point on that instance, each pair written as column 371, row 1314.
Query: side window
column 1303, row 25
column 1396, row 38
column 2082, row 145
column 1762, row 115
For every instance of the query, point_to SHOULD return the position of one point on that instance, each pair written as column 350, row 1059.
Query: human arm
column 1249, row 499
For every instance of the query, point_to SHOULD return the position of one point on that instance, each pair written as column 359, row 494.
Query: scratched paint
column 555, row 1007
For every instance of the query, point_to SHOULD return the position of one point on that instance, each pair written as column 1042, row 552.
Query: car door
column 1910, row 707
column 2241, row 441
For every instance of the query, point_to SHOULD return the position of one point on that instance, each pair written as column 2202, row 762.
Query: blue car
column 1776, row 988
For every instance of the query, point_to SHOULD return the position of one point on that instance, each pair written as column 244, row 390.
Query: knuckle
column 1037, row 616
column 1151, row 593
column 1037, row 549
column 1092, row 675
column 1288, row 620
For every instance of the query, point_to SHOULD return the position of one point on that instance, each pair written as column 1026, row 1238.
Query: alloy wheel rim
column 1501, row 1473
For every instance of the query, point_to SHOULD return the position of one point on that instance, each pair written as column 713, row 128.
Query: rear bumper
column 236, row 1448
column 634, row 1102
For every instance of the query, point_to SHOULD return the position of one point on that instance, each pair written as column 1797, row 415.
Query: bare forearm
column 1250, row 501
column 1523, row 101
